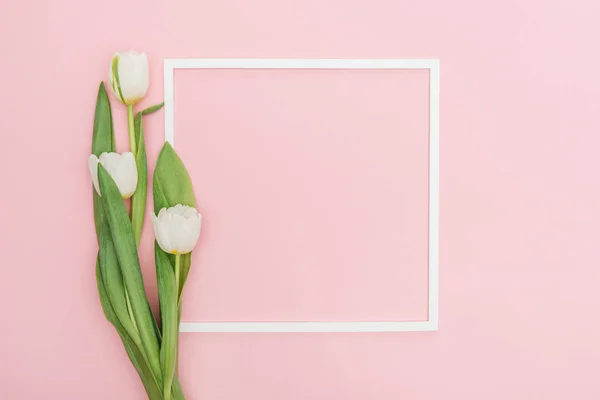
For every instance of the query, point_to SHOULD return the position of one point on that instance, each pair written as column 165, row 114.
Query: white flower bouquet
column 151, row 346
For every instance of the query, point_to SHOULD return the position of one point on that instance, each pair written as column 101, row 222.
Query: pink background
column 313, row 186
column 519, row 199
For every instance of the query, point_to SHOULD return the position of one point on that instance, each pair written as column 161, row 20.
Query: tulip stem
column 130, row 120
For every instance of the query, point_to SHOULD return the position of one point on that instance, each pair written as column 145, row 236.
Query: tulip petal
column 114, row 78
column 93, row 166
column 129, row 76
column 122, row 168
column 177, row 229
column 133, row 76
column 160, row 234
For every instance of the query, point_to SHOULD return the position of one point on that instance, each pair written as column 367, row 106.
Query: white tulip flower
column 121, row 168
column 177, row 229
column 129, row 76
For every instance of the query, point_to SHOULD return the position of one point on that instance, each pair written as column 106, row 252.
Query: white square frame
column 433, row 65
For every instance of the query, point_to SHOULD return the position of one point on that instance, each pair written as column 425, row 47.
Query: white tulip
column 128, row 76
column 121, row 168
column 177, row 229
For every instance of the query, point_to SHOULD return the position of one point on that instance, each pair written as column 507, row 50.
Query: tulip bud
column 177, row 229
column 128, row 76
column 121, row 168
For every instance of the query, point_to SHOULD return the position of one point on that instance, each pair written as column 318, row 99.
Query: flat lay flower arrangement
column 120, row 178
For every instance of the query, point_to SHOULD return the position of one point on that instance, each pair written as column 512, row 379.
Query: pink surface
column 313, row 186
column 519, row 199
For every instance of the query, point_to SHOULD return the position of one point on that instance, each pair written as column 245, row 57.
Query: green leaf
column 126, row 251
column 172, row 183
column 104, row 301
column 171, row 186
column 137, row 359
column 177, row 393
column 98, row 214
column 138, row 200
column 103, row 140
column 153, row 109
column 152, row 387
column 167, row 289
column 186, row 263
column 113, row 283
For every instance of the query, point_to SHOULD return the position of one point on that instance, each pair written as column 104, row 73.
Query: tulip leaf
column 177, row 390
column 152, row 387
column 103, row 140
column 113, row 283
column 167, row 289
column 171, row 186
column 103, row 137
column 104, row 301
column 186, row 263
column 172, row 183
column 98, row 214
column 137, row 359
column 127, row 255
column 152, row 109
column 138, row 200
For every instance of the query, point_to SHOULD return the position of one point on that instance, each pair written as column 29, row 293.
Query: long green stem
column 130, row 120
column 168, row 385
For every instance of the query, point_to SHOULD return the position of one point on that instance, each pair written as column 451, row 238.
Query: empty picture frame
column 432, row 66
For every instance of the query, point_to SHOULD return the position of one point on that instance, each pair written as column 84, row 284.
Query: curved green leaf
column 137, row 359
column 177, row 390
column 113, row 283
column 103, row 137
column 153, row 390
column 103, row 140
column 152, row 109
column 104, row 301
column 126, row 251
column 172, row 183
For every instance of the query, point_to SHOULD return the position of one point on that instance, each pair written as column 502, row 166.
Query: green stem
column 130, row 119
column 168, row 389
